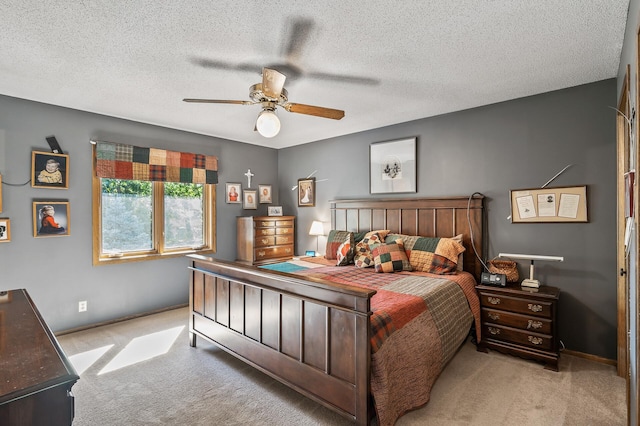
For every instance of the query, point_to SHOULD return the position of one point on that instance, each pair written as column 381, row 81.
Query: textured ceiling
column 398, row 61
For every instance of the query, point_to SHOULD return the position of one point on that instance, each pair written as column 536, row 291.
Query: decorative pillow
column 362, row 253
column 435, row 255
column 345, row 252
column 391, row 257
column 334, row 240
column 408, row 240
column 458, row 239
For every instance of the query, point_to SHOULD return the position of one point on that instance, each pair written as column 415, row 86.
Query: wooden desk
column 35, row 375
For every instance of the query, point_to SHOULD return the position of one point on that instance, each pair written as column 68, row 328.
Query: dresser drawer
column 525, row 322
column 284, row 231
column 284, row 239
column 265, row 241
column 521, row 337
column 261, row 232
column 273, row 252
column 265, row 223
column 539, row 308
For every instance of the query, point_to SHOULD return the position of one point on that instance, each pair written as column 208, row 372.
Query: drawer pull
column 494, row 316
column 535, row 340
column 265, row 241
column 261, row 254
column 265, row 232
column 535, row 308
column 494, row 300
column 534, row 324
column 493, row 330
column 285, row 239
column 266, row 224
column 287, row 250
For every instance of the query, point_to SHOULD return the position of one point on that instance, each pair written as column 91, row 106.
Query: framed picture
column 562, row 204
column 49, row 170
column 265, row 194
column 392, row 166
column 5, row 230
column 50, row 218
column 274, row 210
column 233, row 193
column 249, row 197
column 307, row 192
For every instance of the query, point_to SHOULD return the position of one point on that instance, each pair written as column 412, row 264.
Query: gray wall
column 58, row 271
column 494, row 149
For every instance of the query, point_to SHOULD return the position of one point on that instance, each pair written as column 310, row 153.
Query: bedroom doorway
column 627, row 253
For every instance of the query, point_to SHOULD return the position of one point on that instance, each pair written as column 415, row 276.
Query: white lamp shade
column 316, row 228
column 268, row 124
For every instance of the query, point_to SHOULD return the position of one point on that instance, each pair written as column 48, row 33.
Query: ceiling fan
column 272, row 94
column 297, row 33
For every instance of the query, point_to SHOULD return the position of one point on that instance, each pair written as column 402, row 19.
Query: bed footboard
column 311, row 335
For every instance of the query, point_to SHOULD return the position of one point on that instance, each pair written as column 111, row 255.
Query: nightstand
column 521, row 321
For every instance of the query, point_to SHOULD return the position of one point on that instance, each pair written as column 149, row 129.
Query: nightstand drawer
column 538, row 308
column 508, row 334
column 524, row 322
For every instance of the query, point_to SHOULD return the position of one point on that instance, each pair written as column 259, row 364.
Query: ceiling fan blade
column 218, row 101
column 272, row 83
column 221, row 65
column 299, row 33
column 334, row 114
column 343, row 78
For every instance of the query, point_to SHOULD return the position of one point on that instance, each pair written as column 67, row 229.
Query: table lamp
column 317, row 229
column 531, row 282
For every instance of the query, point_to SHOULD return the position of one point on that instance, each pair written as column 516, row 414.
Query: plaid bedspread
column 418, row 322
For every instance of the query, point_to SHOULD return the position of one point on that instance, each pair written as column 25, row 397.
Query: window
column 140, row 219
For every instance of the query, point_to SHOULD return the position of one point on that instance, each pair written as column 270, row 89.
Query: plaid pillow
column 334, row 240
column 362, row 253
column 436, row 255
column 391, row 257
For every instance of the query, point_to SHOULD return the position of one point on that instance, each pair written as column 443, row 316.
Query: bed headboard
column 427, row 217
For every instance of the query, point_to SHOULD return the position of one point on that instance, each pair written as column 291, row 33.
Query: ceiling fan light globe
column 268, row 124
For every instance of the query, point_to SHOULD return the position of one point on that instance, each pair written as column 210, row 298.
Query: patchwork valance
column 117, row 161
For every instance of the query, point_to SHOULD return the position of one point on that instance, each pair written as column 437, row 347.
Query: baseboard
column 591, row 357
column 129, row 317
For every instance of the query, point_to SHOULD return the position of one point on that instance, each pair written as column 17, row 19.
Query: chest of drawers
column 521, row 322
column 36, row 376
column 265, row 239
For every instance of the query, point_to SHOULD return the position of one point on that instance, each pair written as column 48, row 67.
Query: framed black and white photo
column 249, row 199
column 264, row 192
column 51, row 218
column 274, row 210
column 233, row 193
column 49, row 170
column 307, row 192
column 392, row 166
column 5, row 230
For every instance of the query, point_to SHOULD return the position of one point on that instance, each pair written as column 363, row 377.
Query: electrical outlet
column 82, row 306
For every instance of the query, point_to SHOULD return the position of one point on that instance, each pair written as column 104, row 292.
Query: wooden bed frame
column 310, row 334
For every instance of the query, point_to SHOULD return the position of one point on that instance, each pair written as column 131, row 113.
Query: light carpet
column 174, row 384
